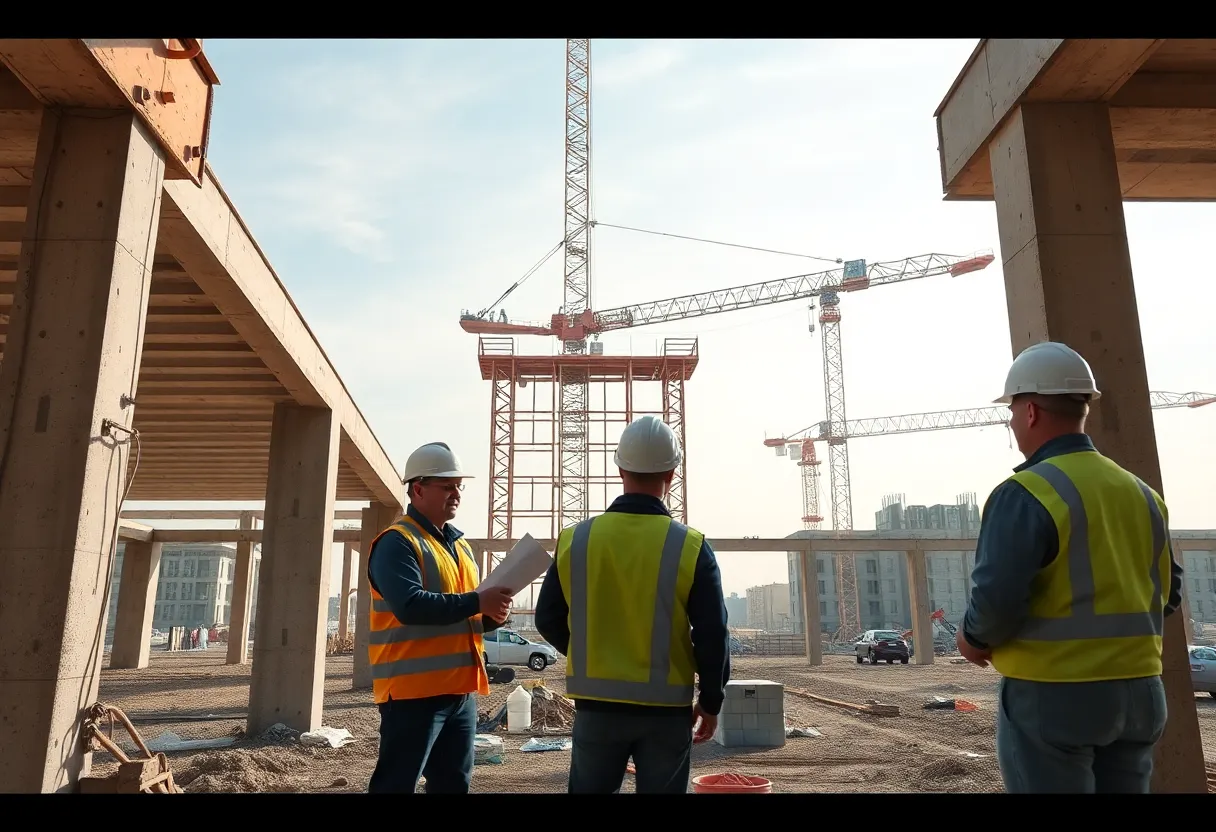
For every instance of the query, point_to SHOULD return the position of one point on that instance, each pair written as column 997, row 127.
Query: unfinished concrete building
column 1058, row 133
column 149, row 352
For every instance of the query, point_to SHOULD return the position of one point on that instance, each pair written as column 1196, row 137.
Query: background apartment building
column 1200, row 579
column 194, row 588
column 736, row 611
column 768, row 608
column 882, row 577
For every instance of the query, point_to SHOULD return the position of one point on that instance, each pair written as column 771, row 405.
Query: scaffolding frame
column 527, row 476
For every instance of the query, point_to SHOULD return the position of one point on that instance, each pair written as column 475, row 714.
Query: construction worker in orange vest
column 425, row 648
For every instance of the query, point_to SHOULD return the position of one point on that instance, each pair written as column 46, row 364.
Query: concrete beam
column 107, row 75
column 216, row 514
column 1004, row 73
column 203, row 230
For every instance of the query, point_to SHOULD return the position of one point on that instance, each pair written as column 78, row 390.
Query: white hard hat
column 1049, row 369
column 434, row 459
column 648, row 446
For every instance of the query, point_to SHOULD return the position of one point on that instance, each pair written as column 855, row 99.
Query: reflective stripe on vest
column 464, row 654
column 1083, row 622
column 657, row 689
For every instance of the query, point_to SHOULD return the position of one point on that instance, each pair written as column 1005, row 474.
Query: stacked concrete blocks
column 752, row 715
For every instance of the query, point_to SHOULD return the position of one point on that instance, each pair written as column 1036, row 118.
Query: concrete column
column 71, row 362
column 344, row 592
column 810, row 608
column 918, row 604
column 1068, row 277
column 136, row 600
column 288, row 679
column 376, row 518
column 242, row 598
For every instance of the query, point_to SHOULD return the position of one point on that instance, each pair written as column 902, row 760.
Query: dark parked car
column 880, row 645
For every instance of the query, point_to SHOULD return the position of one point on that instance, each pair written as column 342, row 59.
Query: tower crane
column 975, row 417
column 576, row 321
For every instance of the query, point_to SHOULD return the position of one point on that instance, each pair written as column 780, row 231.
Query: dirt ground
column 919, row 750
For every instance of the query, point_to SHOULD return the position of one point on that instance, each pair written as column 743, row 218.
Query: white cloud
column 627, row 69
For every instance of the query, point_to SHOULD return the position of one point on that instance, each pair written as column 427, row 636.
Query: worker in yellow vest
column 1073, row 576
column 634, row 602
column 424, row 641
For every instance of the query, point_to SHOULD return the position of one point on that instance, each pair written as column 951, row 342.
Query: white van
column 504, row 646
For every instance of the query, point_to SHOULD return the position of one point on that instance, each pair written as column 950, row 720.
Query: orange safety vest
column 412, row 661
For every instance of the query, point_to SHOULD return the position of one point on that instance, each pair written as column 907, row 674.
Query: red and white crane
column 577, row 321
column 976, row 417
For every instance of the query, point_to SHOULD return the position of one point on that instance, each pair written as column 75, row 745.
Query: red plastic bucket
column 731, row 784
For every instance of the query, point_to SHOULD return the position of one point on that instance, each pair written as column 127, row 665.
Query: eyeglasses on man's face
column 452, row 487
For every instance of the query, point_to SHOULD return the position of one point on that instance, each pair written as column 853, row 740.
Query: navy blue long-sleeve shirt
column 1018, row 538
column 706, row 614
column 393, row 571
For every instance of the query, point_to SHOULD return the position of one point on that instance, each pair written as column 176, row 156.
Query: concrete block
column 768, row 722
column 734, row 721
column 751, row 722
column 745, row 706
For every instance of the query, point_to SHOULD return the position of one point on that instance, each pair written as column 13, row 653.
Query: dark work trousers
column 431, row 737
column 1079, row 737
column 658, row 739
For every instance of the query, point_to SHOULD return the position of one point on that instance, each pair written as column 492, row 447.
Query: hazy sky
column 395, row 183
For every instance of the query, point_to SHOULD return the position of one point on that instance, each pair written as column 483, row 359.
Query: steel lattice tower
column 573, row 424
column 838, row 454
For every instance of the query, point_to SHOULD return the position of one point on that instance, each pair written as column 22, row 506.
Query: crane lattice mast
column 573, row 422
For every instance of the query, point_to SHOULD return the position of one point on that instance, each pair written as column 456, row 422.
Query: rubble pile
column 335, row 646
column 236, row 771
column 552, row 713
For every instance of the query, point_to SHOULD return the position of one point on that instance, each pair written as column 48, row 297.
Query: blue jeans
column 1079, row 737
column 431, row 737
column 659, row 741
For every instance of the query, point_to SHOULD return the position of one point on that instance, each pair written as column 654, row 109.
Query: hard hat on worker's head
column 1049, row 369
column 434, row 459
column 648, row 446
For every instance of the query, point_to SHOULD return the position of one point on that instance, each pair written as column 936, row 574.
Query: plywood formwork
column 223, row 341
column 1161, row 94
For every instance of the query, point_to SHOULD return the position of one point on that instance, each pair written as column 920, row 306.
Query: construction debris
column 147, row 775
column 872, row 706
column 335, row 646
column 552, row 714
column 942, row 703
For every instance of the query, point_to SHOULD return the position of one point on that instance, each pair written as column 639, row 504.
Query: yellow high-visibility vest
column 413, row 661
column 1096, row 611
column 626, row 578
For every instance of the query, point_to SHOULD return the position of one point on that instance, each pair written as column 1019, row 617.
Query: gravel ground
column 920, row 750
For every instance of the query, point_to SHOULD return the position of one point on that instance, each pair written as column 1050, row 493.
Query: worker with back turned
column 634, row 602
column 424, row 643
column 1073, row 577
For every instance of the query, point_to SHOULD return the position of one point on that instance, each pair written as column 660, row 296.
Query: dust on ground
column 919, row 750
